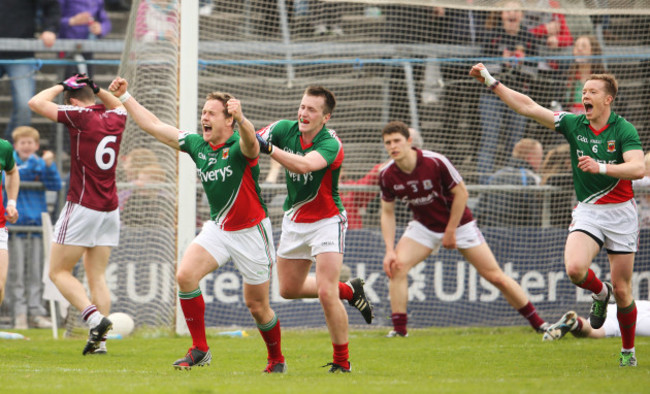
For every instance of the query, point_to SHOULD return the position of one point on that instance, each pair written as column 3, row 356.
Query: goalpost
column 384, row 60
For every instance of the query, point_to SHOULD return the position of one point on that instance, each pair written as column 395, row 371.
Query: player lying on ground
column 579, row 326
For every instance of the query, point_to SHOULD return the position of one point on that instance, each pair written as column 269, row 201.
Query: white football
column 122, row 323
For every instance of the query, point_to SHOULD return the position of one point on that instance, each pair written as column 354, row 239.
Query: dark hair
column 396, row 127
column 85, row 94
column 611, row 86
column 223, row 98
column 319, row 91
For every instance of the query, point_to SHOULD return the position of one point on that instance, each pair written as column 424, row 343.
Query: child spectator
column 26, row 250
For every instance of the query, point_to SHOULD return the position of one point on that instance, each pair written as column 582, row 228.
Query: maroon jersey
column 95, row 135
column 427, row 190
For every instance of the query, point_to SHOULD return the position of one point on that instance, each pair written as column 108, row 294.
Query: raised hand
column 74, row 83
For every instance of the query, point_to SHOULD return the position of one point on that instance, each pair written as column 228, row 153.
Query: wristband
column 602, row 168
column 11, row 203
column 490, row 81
column 124, row 97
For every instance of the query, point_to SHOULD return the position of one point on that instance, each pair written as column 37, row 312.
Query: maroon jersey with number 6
column 95, row 135
column 426, row 190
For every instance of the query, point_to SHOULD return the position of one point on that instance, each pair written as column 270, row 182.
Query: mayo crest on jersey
column 605, row 146
column 230, row 181
column 315, row 195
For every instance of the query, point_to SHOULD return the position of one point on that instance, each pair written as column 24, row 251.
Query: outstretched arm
column 147, row 121
column 110, row 101
column 519, row 102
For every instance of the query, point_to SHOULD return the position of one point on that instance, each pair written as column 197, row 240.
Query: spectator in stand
column 356, row 201
column 132, row 163
column 20, row 22
column 556, row 171
column 26, row 270
column 81, row 20
column 157, row 20
column 514, row 43
column 581, row 69
column 143, row 208
column 520, row 208
column 551, row 27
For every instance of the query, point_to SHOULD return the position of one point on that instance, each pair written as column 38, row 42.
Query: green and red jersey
column 7, row 163
column 315, row 195
column 606, row 146
column 230, row 181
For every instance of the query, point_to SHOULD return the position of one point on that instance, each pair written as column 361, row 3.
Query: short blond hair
column 25, row 132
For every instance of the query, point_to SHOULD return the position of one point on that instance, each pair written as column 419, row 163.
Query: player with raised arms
column 314, row 223
column 239, row 229
column 89, row 225
column 436, row 194
column 606, row 156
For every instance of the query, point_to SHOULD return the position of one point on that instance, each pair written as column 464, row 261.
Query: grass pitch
column 441, row 360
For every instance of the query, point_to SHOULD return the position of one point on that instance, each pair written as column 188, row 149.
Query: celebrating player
column 239, row 229
column 606, row 155
column 90, row 223
column 8, row 165
column 314, row 223
column 579, row 326
column 436, row 193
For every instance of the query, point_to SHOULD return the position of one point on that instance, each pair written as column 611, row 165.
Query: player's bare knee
column 575, row 272
column 256, row 308
column 327, row 294
column 186, row 280
column 622, row 291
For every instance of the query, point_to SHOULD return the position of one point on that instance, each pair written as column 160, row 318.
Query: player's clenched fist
column 234, row 108
column 118, row 86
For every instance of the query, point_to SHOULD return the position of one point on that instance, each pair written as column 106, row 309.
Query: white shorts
column 81, row 226
column 615, row 225
column 305, row 241
column 467, row 236
column 4, row 236
column 250, row 249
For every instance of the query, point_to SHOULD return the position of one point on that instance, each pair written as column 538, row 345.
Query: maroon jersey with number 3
column 95, row 135
column 427, row 190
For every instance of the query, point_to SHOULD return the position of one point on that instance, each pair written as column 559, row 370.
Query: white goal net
column 392, row 60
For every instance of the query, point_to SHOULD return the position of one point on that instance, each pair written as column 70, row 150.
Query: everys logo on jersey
column 220, row 174
column 611, row 146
